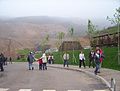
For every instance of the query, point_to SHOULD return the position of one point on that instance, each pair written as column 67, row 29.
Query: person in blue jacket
column 30, row 60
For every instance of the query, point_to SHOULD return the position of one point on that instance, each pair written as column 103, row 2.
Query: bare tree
column 61, row 35
column 45, row 41
column 116, row 20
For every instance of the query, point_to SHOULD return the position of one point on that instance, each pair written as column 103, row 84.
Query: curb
column 88, row 73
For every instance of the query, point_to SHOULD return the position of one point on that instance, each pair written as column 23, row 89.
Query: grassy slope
column 110, row 61
column 109, row 30
column 111, row 58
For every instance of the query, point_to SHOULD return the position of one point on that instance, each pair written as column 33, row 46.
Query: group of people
column 95, row 59
column 50, row 59
column 42, row 61
column 81, row 59
column 3, row 61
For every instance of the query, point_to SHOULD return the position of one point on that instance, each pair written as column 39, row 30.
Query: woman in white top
column 44, row 59
column 81, row 59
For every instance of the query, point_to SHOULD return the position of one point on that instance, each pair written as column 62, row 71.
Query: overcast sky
column 61, row 8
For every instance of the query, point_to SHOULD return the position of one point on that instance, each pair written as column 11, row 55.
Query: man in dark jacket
column 91, row 58
column 1, row 61
column 30, row 60
column 97, row 61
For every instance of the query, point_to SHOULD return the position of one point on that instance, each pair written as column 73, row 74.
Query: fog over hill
column 33, row 29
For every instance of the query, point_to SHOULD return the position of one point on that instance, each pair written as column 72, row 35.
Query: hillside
column 31, row 30
column 112, row 29
column 25, row 32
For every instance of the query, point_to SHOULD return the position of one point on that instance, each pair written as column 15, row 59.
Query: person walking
column 49, row 58
column 1, row 61
column 30, row 60
column 52, row 59
column 40, row 63
column 91, row 59
column 81, row 59
column 97, row 61
column 66, row 59
column 10, row 60
column 6, row 59
column 44, row 60
column 101, row 58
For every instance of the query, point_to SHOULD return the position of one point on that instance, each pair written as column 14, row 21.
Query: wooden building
column 70, row 45
column 110, row 39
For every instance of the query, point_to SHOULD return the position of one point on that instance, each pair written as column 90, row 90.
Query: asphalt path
column 17, row 77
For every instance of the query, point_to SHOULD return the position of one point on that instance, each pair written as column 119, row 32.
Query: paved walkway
column 106, row 74
column 17, row 77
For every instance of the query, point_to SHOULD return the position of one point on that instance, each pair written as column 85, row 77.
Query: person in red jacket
column 101, row 58
column 40, row 63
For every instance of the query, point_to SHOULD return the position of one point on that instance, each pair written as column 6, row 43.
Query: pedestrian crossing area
column 4, row 89
column 25, row 90
column 7, row 89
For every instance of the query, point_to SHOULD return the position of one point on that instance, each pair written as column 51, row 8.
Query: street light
column 118, row 42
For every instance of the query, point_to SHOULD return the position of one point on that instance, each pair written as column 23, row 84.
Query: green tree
column 45, row 41
column 47, row 37
column 91, row 30
column 57, row 43
column 61, row 35
column 71, row 31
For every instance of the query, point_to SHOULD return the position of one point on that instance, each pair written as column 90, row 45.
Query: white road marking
column 4, row 89
column 25, row 90
column 74, row 90
column 49, row 90
column 99, row 90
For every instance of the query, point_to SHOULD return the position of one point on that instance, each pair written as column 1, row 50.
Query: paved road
column 18, row 78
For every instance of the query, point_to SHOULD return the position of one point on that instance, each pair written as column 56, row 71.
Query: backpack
column 28, row 59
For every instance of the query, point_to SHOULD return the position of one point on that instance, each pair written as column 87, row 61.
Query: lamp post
column 118, row 42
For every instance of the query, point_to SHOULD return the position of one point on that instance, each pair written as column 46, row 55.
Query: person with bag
column 30, row 60
column 97, row 61
column 44, row 60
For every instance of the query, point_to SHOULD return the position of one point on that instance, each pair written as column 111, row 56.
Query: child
column 40, row 63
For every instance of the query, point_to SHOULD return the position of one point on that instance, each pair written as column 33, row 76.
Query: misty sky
column 96, row 9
